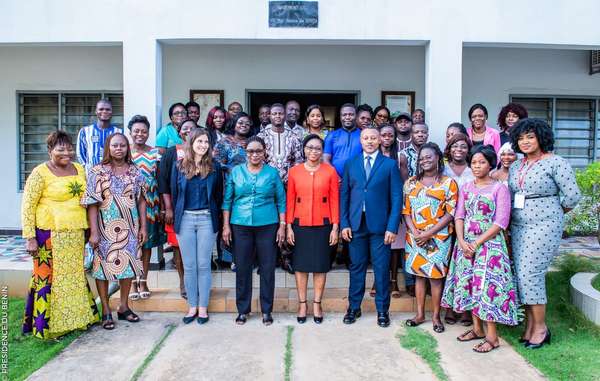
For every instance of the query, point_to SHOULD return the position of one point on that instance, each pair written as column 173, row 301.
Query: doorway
column 330, row 102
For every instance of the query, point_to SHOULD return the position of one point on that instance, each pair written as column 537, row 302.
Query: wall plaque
column 293, row 14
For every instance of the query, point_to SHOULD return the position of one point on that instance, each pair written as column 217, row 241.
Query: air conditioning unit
column 594, row 61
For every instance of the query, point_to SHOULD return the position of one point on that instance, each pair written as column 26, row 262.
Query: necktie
column 368, row 166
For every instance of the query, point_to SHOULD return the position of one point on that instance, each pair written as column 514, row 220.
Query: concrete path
column 221, row 350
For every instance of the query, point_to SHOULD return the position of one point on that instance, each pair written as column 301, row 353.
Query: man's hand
column 389, row 238
column 347, row 234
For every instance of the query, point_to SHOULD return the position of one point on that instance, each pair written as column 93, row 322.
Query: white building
column 57, row 57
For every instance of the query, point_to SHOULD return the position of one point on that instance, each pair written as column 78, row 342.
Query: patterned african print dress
column 147, row 163
column 117, row 255
column 483, row 284
column 59, row 298
column 425, row 206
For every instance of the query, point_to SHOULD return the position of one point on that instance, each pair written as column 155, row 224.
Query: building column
column 142, row 81
column 443, row 86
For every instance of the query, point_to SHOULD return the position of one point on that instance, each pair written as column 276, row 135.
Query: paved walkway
column 221, row 350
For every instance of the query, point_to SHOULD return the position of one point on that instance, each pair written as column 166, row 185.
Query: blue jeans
column 196, row 239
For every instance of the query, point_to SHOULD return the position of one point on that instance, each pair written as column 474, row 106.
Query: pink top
column 492, row 137
column 496, row 191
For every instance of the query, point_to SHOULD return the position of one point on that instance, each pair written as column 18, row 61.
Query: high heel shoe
column 317, row 319
column 547, row 339
column 301, row 319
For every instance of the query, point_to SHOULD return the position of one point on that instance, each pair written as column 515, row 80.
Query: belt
column 199, row 212
column 531, row 196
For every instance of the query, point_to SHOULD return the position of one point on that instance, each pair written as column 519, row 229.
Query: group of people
column 463, row 223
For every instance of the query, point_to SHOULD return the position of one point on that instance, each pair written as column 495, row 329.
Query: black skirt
column 311, row 249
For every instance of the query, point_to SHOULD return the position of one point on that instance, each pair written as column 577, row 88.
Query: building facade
column 57, row 57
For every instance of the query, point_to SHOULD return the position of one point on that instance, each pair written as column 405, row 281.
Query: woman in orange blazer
column 312, row 222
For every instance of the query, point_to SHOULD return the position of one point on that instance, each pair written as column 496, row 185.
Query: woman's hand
column 226, row 236
column 467, row 248
column 422, row 237
column 290, row 235
column 334, row 236
column 169, row 216
column 94, row 240
column 142, row 235
column 31, row 247
column 280, row 239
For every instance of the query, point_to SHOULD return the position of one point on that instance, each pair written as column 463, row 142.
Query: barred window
column 42, row 113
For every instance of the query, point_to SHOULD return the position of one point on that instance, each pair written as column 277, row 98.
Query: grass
column 157, row 347
column 424, row 345
column 26, row 354
column 596, row 282
column 288, row 357
column 575, row 350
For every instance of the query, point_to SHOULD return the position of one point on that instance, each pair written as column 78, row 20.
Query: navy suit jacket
column 214, row 188
column 381, row 194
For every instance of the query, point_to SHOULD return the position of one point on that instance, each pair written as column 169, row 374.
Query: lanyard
column 521, row 175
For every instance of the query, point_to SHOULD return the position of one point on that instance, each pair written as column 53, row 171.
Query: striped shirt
column 90, row 144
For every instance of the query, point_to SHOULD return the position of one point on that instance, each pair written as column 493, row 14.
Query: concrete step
column 286, row 300
column 338, row 278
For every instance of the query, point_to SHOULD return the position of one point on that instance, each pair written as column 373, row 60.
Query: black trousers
column 250, row 243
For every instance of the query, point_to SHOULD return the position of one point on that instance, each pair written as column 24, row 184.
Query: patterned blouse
column 230, row 152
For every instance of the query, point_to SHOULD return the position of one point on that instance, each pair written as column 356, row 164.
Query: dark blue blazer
column 214, row 185
column 381, row 194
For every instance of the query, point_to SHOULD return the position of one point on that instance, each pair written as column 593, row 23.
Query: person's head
column 215, row 120
column 364, row 116
column 388, row 135
column 255, row 150
column 233, row 108
column 453, row 129
column 419, row 134
column 139, row 128
column 510, row 115
column 60, row 148
column 242, row 124
column 292, row 113
column 403, row 124
column 430, row 160
column 312, row 147
column 104, row 110
column 314, row 117
column 177, row 114
column 116, row 148
column 187, row 126
column 370, row 139
column 418, row 116
column 197, row 154
column 381, row 115
column 348, row 115
column 507, row 155
column 482, row 160
column 193, row 111
column 531, row 135
column 458, row 148
column 264, row 112
column 478, row 115
column 277, row 114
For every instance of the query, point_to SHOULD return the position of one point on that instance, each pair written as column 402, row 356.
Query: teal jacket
column 254, row 199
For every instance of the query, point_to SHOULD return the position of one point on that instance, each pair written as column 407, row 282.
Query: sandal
column 301, row 319
column 438, row 328
column 134, row 295
column 107, row 322
column 472, row 334
column 144, row 294
column 413, row 323
column 128, row 315
column 492, row 346
column 450, row 317
column 317, row 319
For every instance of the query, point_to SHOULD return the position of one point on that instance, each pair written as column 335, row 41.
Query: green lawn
column 575, row 350
column 596, row 282
column 425, row 346
column 26, row 353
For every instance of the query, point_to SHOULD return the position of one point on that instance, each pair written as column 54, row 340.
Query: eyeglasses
column 251, row 152
column 180, row 113
column 313, row 148
column 240, row 123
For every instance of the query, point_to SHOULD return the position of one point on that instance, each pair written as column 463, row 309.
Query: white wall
column 44, row 69
column 235, row 68
column 491, row 75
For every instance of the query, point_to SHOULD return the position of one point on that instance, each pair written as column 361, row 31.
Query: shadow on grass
column 575, row 350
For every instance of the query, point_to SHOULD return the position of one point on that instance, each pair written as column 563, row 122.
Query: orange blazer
column 313, row 199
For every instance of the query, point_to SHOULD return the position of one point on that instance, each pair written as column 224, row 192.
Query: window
column 40, row 114
column 574, row 122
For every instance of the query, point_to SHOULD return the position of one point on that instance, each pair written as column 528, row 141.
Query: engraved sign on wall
column 293, row 14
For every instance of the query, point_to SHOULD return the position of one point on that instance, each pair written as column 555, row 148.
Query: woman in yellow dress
column 54, row 221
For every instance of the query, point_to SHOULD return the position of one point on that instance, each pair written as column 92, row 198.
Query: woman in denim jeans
column 197, row 190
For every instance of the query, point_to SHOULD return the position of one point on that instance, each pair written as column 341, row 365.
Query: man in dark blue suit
column 371, row 206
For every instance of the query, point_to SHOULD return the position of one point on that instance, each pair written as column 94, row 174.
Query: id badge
column 519, row 201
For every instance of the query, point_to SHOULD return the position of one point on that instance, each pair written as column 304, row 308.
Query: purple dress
column 483, row 284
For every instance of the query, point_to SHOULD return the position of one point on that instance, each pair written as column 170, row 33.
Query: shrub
column 585, row 218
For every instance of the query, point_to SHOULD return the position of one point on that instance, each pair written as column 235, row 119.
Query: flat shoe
column 438, row 328
column 128, row 315
column 107, row 322
column 189, row 319
column 202, row 320
column 413, row 323
column 477, row 348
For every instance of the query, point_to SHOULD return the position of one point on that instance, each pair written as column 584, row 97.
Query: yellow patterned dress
column 59, row 299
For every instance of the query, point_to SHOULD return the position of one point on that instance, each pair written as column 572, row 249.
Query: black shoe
column 351, row 316
column 202, row 320
column 267, row 319
column 189, row 319
column 383, row 319
column 241, row 319
column 547, row 338
column 317, row 319
column 301, row 319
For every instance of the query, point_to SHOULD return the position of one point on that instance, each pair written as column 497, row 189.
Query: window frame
column 59, row 94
